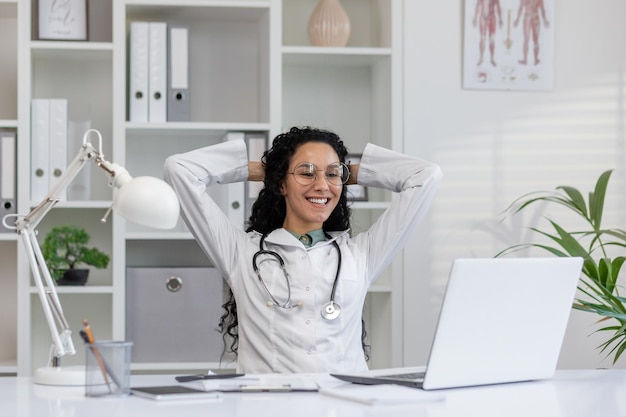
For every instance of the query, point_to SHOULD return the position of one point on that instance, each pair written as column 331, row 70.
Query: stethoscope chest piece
column 331, row 310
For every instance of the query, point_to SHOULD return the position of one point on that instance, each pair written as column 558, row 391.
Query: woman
column 306, row 315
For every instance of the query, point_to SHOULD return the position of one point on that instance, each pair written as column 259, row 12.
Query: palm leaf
column 596, row 200
column 576, row 201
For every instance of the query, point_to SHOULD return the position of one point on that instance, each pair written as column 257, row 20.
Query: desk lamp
column 148, row 201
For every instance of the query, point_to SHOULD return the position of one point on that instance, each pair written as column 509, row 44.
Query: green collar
column 311, row 238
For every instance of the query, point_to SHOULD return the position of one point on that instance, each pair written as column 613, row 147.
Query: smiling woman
column 310, row 198
column 298, row 278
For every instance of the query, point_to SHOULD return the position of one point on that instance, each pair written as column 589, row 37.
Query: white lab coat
column 273, row 339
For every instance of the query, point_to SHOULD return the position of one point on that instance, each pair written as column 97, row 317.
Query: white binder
column 39, row 149
column 80, row 187
column 236, row 191
column 7, row 177
column 58, row 142
column 138, row 72
column 178, row 104
column 157, row 70
column 257, row 144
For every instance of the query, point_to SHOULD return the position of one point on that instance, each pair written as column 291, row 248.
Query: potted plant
column 594, row 244
column 64, row 248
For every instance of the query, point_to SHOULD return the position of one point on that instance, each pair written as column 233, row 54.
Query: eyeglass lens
column 306, row 174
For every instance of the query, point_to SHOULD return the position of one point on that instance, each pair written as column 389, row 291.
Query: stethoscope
column 330, row 310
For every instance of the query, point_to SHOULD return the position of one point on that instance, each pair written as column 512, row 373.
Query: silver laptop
column 502, row 320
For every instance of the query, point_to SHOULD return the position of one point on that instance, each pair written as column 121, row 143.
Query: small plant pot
column 74, row 277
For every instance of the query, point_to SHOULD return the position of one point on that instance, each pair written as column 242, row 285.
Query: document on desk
column 261, row 383
column 381, row 394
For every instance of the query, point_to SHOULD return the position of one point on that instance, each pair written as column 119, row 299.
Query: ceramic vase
column 329, row 24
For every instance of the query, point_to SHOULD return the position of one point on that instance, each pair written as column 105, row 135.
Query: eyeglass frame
column 344, row 169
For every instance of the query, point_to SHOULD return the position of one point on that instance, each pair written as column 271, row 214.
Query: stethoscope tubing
column 330, row 310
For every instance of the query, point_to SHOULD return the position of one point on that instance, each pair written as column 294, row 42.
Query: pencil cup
column 107, row 368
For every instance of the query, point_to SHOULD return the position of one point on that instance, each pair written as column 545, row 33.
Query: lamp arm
column 52, row 310
column 26, row 229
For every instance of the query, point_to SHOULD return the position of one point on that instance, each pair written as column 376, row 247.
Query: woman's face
column 309, row 206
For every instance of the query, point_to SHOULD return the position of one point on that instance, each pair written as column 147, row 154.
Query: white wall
column 494, row 146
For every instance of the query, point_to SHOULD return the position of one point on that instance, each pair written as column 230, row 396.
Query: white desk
column 570, row 393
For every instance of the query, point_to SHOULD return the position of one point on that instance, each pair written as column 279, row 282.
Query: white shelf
column 8, row 237
column 83, row 289
column 186, row 4
column 380, row 289
column 216, row 128
column 8, row 367
column 71, row 51
column 80, row 46
column 82, row 204
column 8, row 124
column 369, row 205
column 333, row 56
column 159, row 236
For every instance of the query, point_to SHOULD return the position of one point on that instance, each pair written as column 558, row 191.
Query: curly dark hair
column 269, row 209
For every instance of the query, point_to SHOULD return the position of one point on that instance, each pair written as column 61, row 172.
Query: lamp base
column 60, row 376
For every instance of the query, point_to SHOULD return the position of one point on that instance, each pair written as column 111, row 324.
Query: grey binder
column 178, row 100
column 8, row 175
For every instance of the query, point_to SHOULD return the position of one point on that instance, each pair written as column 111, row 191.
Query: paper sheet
column 382, row 394
column 263, row 383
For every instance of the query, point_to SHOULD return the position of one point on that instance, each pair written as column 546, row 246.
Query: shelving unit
column 8, row 241
column 252, row 70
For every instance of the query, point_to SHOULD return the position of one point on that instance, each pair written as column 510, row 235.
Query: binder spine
column 257, row 145
column 138, row 72
column 157, row 84
column 58, row 142
column 40, row 148
column 178, row 91
column 8, row 182
column 79, row 188
column 236, row 191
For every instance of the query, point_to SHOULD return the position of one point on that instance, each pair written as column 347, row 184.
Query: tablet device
column 173, row 392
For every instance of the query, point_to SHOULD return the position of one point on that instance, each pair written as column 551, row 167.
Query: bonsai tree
column 595, row 244
column 65, row 247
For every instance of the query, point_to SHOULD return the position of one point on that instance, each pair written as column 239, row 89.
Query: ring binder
column 138, row 72
column 178, row 101
column 7, row 177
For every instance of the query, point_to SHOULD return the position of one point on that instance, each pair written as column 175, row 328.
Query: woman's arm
column 191, row 174
column 256, row 171
column 414, row 182
column 354, row 173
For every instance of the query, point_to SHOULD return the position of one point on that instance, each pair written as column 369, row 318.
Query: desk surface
column 585, row 393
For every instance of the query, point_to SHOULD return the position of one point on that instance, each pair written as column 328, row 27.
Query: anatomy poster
column 508, row 44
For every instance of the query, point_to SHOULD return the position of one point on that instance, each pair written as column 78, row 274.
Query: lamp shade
column 148, row 201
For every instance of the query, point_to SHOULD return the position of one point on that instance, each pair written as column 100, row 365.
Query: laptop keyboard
column 407, row 376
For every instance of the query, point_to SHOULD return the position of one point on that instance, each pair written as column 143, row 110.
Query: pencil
column 96, row 353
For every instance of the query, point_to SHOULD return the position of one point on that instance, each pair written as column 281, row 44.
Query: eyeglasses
column 306, row 173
